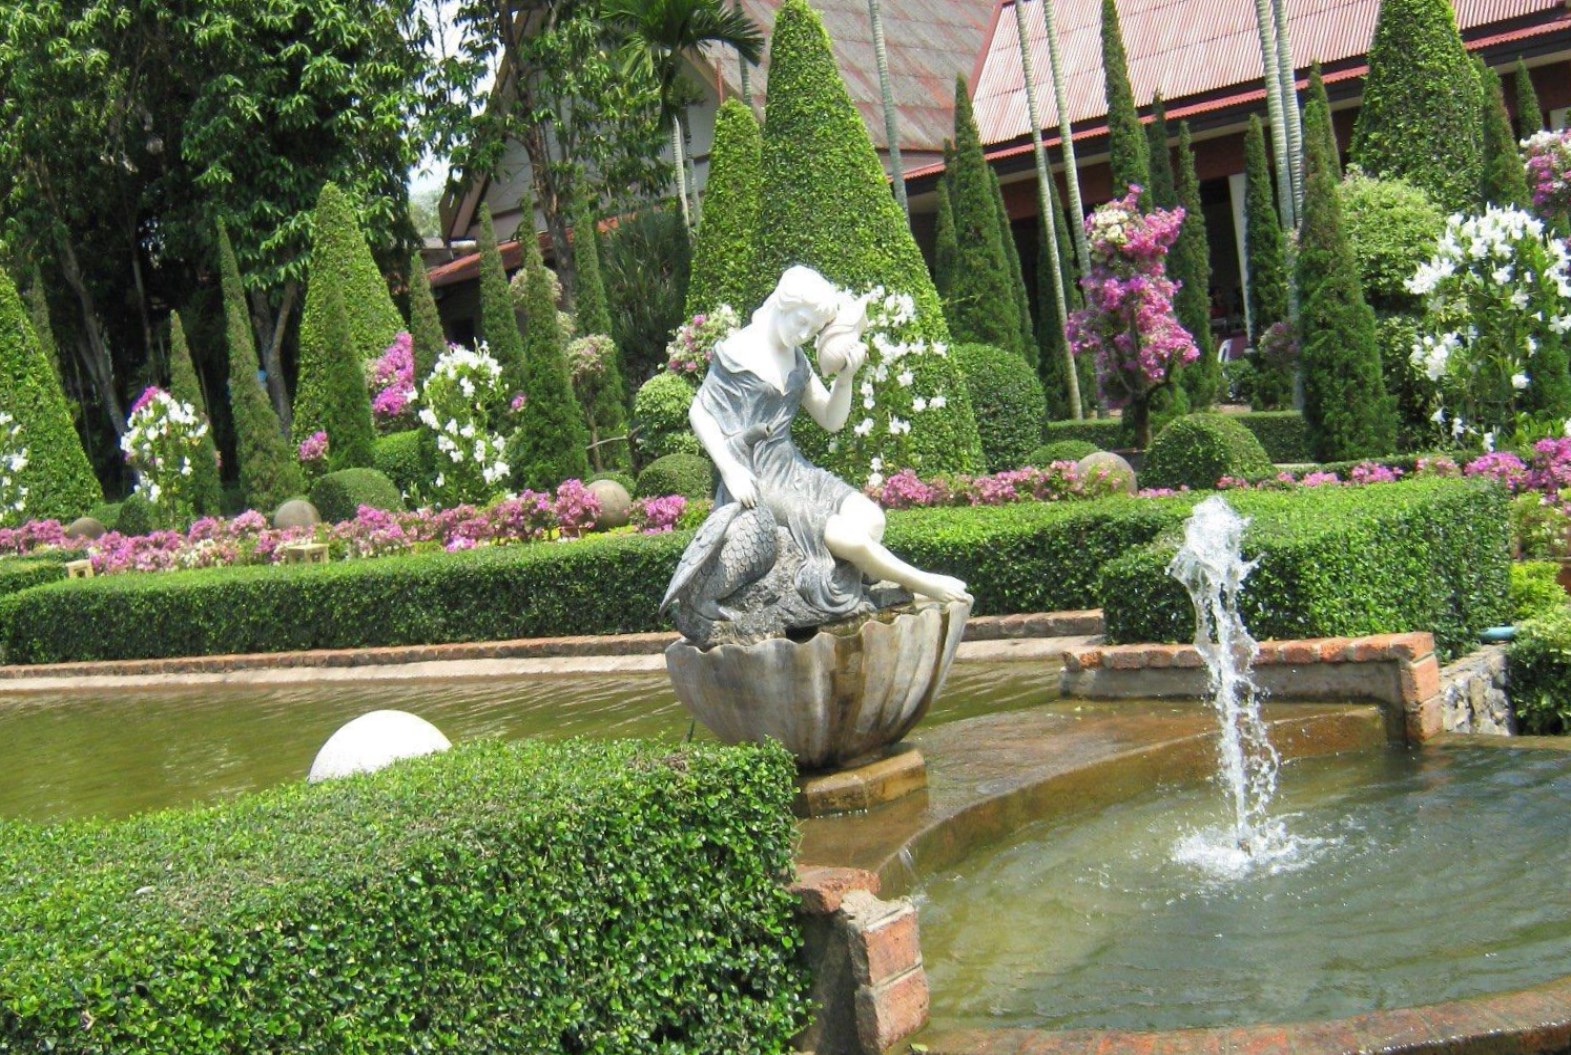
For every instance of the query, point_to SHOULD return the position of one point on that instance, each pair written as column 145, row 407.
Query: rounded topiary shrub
column 689, row 475
column 1198, row 450
column 1061, row 451
column 1393, row 227
column 339, row 496
column 1007, row 399
column 137, row 516
column 402, row 456
column 660, row 417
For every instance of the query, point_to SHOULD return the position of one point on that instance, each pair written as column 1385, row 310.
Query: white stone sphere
column 374, row 741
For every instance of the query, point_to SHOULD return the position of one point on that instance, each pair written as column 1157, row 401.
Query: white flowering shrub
column 457, row 404
column 905, row 413
column 163, row 439
column 1494, row 336
column 13, row 459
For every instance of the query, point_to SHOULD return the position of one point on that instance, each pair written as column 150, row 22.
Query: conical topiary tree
column 1317, row 91
column 425, row 322
column 340, row 257
column 206, row 490
column 1504, row 177
column 38, row 314
column 1164, row 188
column 58, row 477
column 728, row 234
column 602, row 397
column 332, row 395
column 548, row 446
column 826, row 204
column 1190, row 265
column 269, row 473
column 1419, row 116
column 1263, row 246
column 1126, row 140
column 1529, row 114
column 980, row 304
column 945, row 246
column 1017, row 284
column 1345, row 404
column 498, row 323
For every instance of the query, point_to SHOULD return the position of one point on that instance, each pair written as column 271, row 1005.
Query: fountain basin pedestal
column 837, row 700
column 895, row 773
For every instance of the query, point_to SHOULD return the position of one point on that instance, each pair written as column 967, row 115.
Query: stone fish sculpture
column 789, row 546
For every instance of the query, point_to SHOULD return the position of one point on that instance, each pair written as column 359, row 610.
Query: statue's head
column 802, row 304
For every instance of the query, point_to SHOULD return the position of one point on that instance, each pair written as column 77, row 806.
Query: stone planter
column 834, row 699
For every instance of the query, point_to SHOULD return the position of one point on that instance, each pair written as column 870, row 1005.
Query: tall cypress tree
column 549, row 444
column 1191, row 266
column 981, row 304
column 1505, row 179
column 1017, row 283
column 425, row 322
column 1345, row 405
column 1127, row 147
column 340, row 257
column 603, row 400
column 728, row 235
column 1419, row 117
column 269, row 473
column 1263, row 244
column 1529, row 114
column 206, row 491
column 1164, row 189
column 1317, row 91
column 498, row 323
column 331, row 394
column 945, row 247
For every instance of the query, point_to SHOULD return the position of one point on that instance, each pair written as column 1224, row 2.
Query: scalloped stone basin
column 838, row 697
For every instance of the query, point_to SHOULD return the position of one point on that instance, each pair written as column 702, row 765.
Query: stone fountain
column 797, row 623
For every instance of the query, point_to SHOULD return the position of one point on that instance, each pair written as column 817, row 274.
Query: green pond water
column 116, row 753
column 1421, row 876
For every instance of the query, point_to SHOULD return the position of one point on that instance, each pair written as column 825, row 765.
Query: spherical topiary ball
column 1109, row 463
column 689, row 475
column 374, row 741
column 296, row 513
column 616, row 505
column 1197, row 450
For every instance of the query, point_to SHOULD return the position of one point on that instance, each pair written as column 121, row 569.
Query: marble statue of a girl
column 789, row 545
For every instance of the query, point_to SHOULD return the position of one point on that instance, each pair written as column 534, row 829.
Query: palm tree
column 1049, row 220
column 1294, row 120
column 660, row 33
column 1276, row 111
column 1066, row 140
column 875, row 13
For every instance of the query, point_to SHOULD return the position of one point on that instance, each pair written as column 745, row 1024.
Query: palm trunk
column 1293, row 119
column 680, row 156
column 891, row 126
column 1066, row 141
column 1045, row 198
column 1270, row 63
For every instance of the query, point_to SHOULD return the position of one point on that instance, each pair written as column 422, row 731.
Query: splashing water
column 1211, row 567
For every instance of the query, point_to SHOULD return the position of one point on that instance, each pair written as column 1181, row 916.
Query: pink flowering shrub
column 1374, row 473
column 1060, row 482
column 1548, row 160
column 1128, row 322
column 693, row 345
column 392, row 381
column 1500, row 465
column 313, row 453
column 652, row 516
column 576, row 508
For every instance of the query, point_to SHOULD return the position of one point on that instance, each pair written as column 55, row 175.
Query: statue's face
column 795, row 326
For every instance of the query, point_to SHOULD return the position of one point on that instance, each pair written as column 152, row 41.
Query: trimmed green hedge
column 596, row 897
column 689, row 475
column 1061, row 451
column 1007, row 399
column 1281, row 432
column 1105, row 433
column 1538, row 667
column 19, row 574
column 338, row 496
column 1535, row 590
column 402, row 457
column 1419, row 555
column 1198, row 450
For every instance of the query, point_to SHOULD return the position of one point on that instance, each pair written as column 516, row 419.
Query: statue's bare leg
column 856, row 533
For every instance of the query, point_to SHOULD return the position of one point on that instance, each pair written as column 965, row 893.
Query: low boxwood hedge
column 1105, row 433
column 403, row 457
column 1060, row 451
column 1538, row 668
column 24, row 573
column 1418, row 555
column 1198, row 450
column 1281, row 432
column 596, row 897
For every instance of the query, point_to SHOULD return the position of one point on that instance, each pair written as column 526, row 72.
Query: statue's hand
column 856, row 355
column 743, row 487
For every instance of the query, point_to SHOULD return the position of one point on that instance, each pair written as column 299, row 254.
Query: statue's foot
column 945, row 589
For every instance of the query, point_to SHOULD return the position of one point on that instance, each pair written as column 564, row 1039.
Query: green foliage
column 1504, row 179
column 946, row 247
column 1054, row 362
column 269, row 473
column 1529, row 114
column 19, row 574
column 616, row 476
column 340, row 257
column 980, row 306
column 1280, row 432
column 660, row 417
column 403, row 458
column 1392, row 228
column 549, row 444
column 1164, row 187
column 38, row 314
column 332, row 396
column 106, row 513
column 1538, row 669
column 498, row 324
column 1017, row 285
column 1104, row 432
column 59, row 481
column 1535, row 590
column 425, row 322
column 1419, row 116
column 604, row 396
column 723, row 252
column 590, row 307
column 206, row 491
column 1127, row 147
column 1263, row 243
column 1413, row 394
column 1198, row 450
column 339, row 495
column 1189, row 264
column 1060, row 451
column 1345, row 403
column 689, row 475
column 1317, row 93
column 137, row 516
column 1007, row 399
column 495, row 897
column 645, row 267
column 1426, row 555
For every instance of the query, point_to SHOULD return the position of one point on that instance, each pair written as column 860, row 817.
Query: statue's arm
column 831, row 406
column 738, row 478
